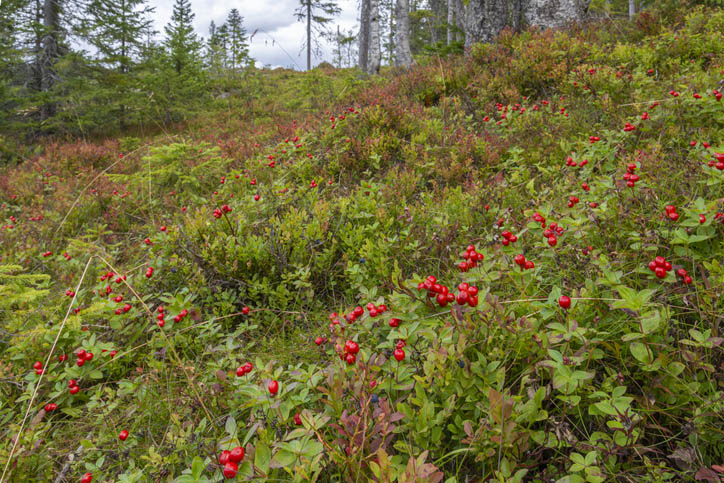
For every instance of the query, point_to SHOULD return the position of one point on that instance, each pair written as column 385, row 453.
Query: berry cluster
column 628, row 127
column 573, row 201
column 671, row 212
column 82, row 357
column 230, row 460
column 508, row 238
column 219, row 212
column 181, row 315
column 441, row 293
column 374, row 311
column 523, row 263
column 467, row 294
column 719, row 163
column 471, row 259
column 660, row 266
column 349, row 355
column 570, row 162
column 149, row 272
column 630, row 176
column 684, row 276
column 73, row 386
column 243, row 369
column 551, row 233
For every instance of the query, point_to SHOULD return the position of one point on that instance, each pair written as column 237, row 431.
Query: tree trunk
column 364, row 34
column 51, row 14
column 391, row 38
column 486, row 18
column 403, row 55
column 309, row 34
column 459, row 20
column 373, row 61
column 547, row 14
column 631, row 9
column 450, row 20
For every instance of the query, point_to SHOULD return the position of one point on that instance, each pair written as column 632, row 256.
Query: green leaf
column 650, row 321
column 641, row 352
column 262, row 457
column 285, row 458
column 230, row 426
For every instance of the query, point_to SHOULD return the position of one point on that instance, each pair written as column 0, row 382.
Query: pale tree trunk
column 486, row 18
column 364, row 34
column 403, row 55
column 460, row 20
column 392, row 33
column 51, row 14
column 309, row 34
column 631, row 9
column 450, row 20
column 373, row 60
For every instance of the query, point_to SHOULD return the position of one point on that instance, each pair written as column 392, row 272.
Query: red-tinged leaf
column 705, row 474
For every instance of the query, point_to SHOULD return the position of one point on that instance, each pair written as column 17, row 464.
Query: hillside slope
column 500, row 267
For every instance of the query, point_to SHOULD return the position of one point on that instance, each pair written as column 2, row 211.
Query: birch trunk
column 403, row 55
column 373, row 60
column 364, row 34
column 459, row 20
column 631, row 9
column 450, row 20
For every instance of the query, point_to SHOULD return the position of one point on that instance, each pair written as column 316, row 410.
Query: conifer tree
column 317, row 14
column 237, row 51
column 181, row 41
column 116, row 29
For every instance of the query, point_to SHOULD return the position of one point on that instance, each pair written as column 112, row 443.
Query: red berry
column 351, row 346
column 123, row 435
column 87, row 478
column 399, row 354
column 230, row 468
column 74, row 389
column 236, row 455
column 660, row 272
column 350, row 359
column 564, row 301
column 273, row 387
column 224, row 457
column 297, row 419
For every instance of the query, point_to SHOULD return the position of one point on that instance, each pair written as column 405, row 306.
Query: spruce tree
column 316, row 14
column 238, row 45
column 181, row 41
column 116, row 29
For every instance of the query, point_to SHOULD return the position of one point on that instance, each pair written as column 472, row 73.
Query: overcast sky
column 278, row 28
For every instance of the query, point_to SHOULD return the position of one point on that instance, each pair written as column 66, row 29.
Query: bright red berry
column 236, row 454
column 273, row 387
column 564, row 301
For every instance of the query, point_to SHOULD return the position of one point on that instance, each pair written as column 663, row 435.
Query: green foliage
column 268, row 224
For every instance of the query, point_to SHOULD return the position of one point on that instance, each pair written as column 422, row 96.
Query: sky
column 279, row 38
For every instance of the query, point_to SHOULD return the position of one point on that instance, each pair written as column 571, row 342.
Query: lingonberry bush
column 500, row 267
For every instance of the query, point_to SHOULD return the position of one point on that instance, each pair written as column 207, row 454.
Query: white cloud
column 279, row 38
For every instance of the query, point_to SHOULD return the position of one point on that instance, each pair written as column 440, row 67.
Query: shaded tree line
column 84, row 67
